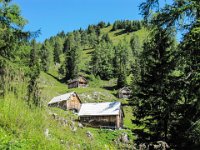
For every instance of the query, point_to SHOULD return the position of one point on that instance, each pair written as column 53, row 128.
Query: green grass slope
column 37, row 128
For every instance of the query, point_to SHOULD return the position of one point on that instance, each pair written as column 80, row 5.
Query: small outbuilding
column 68, row 101
column 80, row 81
column 124, row 92
column 106, row 115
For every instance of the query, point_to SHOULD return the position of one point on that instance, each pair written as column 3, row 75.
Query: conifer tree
column 72, row 62
column 84, row 39
column 11, row 25
column 33, row 89
column 184, row 14
column 69, row 42
column 45, row 56
column 154, row 97
column 102, row 60
column 122, row 63
column 56, row 53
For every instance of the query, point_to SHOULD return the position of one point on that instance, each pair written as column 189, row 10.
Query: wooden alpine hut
column 124, row 92
column 80, row 81
column 68, row 101
column 103, row 115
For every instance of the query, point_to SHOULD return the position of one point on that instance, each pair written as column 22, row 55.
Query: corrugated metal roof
column 98, row 109
column 61, row 98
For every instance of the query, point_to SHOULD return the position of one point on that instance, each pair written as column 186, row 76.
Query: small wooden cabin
column 124, row 92
column 80, row 81
column 68, row 101
column 106, row 115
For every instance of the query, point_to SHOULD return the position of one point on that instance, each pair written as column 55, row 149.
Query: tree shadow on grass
column 121, row 32
column 112, row 88
column 63, row 80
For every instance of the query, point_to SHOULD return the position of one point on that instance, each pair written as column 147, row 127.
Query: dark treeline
column 127, row 25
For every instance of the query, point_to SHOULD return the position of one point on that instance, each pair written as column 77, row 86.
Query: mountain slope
column 53, row 128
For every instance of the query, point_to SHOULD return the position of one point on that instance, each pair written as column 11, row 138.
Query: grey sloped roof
column 100, row 109
column 77, row 79
column 61, row 98
column 127, row 89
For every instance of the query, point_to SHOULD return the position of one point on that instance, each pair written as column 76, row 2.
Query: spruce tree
column 84, row 39
column 56, row 53
column 182, row 15
column 45, row 56
column 153, row 99
column 72, row 61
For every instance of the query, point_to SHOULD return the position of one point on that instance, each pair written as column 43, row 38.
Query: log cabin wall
column 62, row 105
column 124, row 94
column 80, row 82
column 73, row 85
column 102, row 121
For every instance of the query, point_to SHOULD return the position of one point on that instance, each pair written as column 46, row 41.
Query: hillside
column 98, row 90
column 155, row 69
column 23, row 128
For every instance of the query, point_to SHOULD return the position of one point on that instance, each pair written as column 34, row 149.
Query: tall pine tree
column 153, row 99
column 72, row 61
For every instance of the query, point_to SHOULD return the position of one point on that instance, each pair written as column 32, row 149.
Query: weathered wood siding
column 73, row 103
column 98, row 121
column 124, row 94
column 80, row 82
column 114, row 121
column 73, row 85
column 62, row 105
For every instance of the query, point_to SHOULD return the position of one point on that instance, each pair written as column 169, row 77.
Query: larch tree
column 11, row 36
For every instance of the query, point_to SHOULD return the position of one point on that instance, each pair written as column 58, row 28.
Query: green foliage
column 128, row 26
column 106, row 38
column 101, row 24
column 11, row 26
column 84, row 39
column 33, row 90
column 121, row 80
column 45, row 56
column 72, row 62
column 181, row 13
column 153, row 98
column 185, row 97
column 69, row 42
column 122, row 63
column 56, row 54
column 102, row 60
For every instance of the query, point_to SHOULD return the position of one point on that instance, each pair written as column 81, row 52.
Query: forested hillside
column 162, row 73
